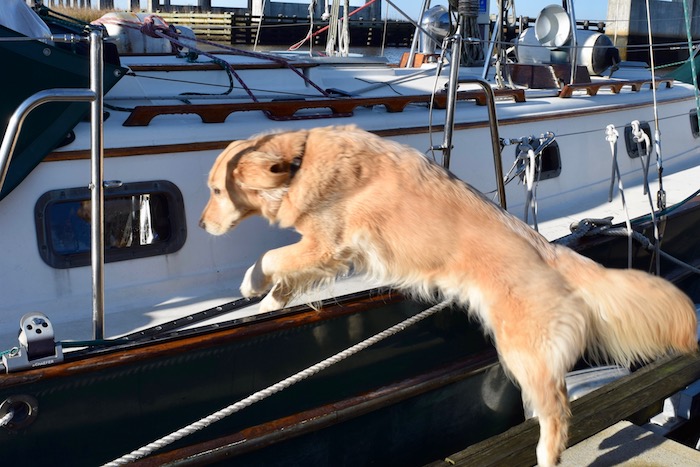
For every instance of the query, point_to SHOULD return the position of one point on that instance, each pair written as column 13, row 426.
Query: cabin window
column 694, row 123
column 141, row 219
column 550, row 160
column 632, row 146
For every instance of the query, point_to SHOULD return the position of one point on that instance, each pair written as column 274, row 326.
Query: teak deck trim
column 139, row 351
column 592, row 413
column 615, row 86
column 286, row 110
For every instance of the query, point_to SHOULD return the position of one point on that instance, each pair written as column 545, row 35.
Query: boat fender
column 553, row 27
column 550, row 41
column 124, row 29
column 595, row 51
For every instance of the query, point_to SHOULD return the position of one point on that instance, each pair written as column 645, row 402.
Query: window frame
column 58, row 260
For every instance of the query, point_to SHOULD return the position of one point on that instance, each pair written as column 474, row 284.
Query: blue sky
column 584, row 9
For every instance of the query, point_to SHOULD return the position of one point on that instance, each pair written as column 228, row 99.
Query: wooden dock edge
column 592, row 413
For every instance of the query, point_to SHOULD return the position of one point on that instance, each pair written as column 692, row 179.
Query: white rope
column 332, row 36
column 6, row 419
column 641, row 137
column 611, row 136
column 275, row 388
column 531, row 169
column 344, row 38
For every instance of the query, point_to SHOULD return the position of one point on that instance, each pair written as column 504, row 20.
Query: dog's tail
column 633, row 316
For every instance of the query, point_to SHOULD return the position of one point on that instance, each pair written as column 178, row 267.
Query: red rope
column 323, row 29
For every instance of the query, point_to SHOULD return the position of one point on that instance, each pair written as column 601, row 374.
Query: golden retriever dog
column 384, row 208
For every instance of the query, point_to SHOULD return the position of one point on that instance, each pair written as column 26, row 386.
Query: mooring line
column 275, row 388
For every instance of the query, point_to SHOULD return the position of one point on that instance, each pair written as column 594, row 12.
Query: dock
column 627, row 444
column 603, row 425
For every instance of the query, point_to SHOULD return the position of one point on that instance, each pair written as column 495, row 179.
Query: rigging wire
column 661, row 194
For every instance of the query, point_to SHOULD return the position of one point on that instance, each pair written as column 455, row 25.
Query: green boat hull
column 44, row 66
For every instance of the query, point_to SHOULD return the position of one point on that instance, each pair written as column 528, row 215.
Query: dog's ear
column 262, row 171
column 274, row 163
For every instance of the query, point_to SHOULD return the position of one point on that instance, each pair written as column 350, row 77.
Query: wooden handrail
column 615, row 86
column 287, row 109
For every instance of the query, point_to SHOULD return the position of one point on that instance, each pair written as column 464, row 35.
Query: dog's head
column 251, row 177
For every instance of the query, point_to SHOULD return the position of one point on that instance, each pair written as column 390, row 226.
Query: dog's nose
column 202, row 224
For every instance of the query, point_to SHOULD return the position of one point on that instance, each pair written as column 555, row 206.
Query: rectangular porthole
column 142, row 219
column 694, row 128
column 550, row 163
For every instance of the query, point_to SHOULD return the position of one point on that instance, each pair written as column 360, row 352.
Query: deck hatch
column 142, row 219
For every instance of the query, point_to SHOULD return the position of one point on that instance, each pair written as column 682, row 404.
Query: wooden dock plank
column 591, row 414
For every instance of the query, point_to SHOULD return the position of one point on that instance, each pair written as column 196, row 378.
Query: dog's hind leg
column 539, row 336
column 545, row 394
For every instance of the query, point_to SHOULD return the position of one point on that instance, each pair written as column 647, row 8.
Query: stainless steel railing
column 94, row 95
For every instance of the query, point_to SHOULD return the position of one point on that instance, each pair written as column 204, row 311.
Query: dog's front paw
column 270, row 303
column 255, row 282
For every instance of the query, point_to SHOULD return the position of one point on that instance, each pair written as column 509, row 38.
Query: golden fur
column 384, row 208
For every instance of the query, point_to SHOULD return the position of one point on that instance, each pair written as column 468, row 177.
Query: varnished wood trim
column 615, row 86
column 142, row 115
column 57, row 156
column 287, row 319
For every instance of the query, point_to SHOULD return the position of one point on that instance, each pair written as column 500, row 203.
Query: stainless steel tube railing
column 94, row 96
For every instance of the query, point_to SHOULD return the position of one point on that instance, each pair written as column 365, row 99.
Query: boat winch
column 37, row 346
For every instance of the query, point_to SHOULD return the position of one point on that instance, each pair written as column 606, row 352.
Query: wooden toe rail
column 287, row 109
column 615, row 86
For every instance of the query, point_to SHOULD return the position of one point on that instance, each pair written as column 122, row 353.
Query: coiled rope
column 275, row 388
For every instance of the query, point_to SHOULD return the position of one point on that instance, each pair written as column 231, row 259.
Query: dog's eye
column 216, row 191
